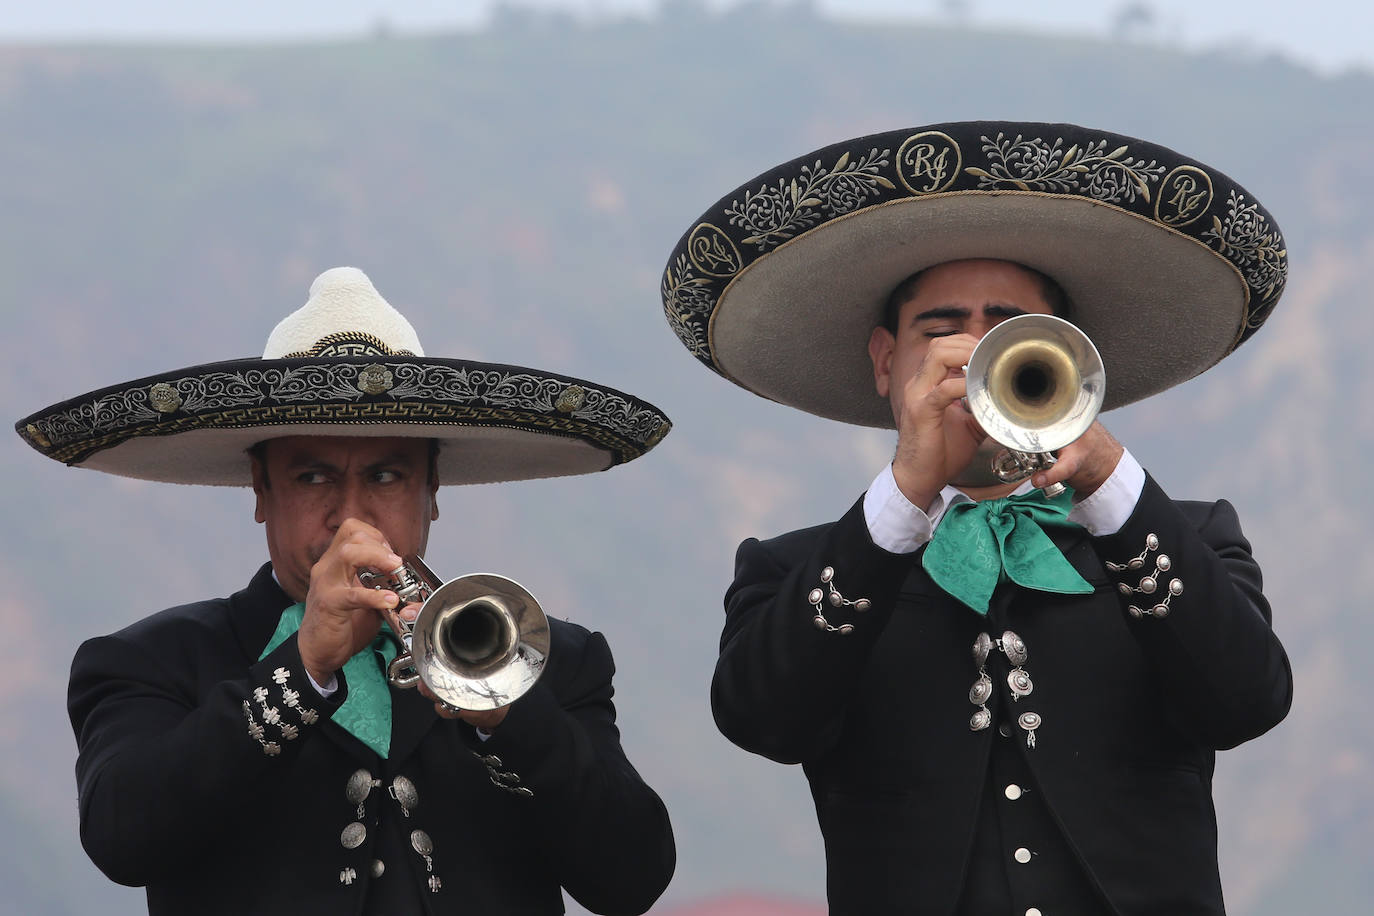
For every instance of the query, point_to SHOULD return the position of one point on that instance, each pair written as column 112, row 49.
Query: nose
column 350, row 502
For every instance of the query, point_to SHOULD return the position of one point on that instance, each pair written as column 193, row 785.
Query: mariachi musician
column 250, row 754
column 1005, row 701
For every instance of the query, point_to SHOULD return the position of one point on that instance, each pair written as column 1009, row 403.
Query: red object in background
column 745, row 905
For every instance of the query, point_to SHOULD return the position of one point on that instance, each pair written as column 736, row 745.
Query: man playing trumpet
column 1004, row 702
column 247, row 754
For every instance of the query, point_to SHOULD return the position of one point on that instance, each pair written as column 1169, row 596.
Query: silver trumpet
column 480, row 641
column 1035, row 384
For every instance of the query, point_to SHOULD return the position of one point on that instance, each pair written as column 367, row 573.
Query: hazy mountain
column 516, row 193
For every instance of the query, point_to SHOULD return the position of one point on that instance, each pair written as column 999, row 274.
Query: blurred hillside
column 515, row 192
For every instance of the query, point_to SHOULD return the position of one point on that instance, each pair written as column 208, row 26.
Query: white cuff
column 326, row 690
column 894, row 523
column 1109, row 507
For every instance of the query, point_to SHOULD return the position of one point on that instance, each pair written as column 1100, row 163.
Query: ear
column 881, row 345
column 434, row 496
column 259, row 486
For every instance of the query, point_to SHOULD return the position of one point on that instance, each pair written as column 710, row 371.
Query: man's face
column 959, row 297
column 307, row 485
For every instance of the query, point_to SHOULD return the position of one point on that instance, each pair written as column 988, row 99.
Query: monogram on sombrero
column 348, row 363
column 1170, row 264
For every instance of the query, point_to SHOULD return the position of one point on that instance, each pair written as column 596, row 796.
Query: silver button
column 378, row 866
column 1004, row 730
column 981, row 691
column 1022, row 855
column 421, row 843
column 403, row 790
column 1033, row 911
column 1012, row 791
column 353, row 836
column 359, row 785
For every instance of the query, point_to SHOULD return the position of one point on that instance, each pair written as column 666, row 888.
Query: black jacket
column 191, row 787
column 1133, row 708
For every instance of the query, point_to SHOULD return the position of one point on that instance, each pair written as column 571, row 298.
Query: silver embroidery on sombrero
column 468, row 392
column 349, row 343
column 773, row 214
column 1248, row 240
column 687, row 304
column 1035, row 164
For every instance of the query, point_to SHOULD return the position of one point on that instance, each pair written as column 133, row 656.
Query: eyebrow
column 992, row 310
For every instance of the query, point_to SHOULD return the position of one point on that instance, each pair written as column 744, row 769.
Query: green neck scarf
column 979, row 544
column 366, row 711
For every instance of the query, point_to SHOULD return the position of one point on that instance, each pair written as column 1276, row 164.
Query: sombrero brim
column 494, row 422
column 1170, row 264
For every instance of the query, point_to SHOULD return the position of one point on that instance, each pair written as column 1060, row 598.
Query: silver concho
column 421, row 843
column 360, row 786
column 981, row 720
column 981, row 691
column 1029, row 721
column 1020, row 683
column 403, row 790
column 1015, row 648
column 982, row 648
column 353, row 836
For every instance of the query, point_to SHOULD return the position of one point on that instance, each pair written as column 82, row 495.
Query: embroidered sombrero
column 347, row 364
column 1170, row 264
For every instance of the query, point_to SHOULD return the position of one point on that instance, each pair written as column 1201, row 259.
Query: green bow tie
column 978, row 544
column 366, row 711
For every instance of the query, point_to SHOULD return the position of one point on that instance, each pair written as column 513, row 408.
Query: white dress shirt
column 897, row 526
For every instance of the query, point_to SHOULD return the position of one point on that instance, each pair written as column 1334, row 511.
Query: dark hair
column 1059, row 302
column 258, row 452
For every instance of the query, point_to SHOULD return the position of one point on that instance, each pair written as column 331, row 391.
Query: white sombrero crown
column 343, row 307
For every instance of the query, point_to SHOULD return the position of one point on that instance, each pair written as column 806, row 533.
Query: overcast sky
column 1326, row 34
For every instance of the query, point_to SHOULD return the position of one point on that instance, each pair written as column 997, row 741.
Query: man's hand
column 1084, row 464
column 485, row 719
column 341, row 615
column 935, row 443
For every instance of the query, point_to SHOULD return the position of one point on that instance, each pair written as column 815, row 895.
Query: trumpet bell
column 480, row 642
column 1035, row 383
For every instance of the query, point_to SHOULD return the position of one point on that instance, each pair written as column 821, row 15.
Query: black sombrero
column 1170, row 264
column 348, row 364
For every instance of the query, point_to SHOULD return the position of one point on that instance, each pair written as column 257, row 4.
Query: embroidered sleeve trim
column 260, row 714
column 817, row 595
column 507, row 780
column 1150, row 583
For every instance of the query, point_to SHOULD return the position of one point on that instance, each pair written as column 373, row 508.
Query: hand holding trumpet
column 985, row 413
column 342, row 616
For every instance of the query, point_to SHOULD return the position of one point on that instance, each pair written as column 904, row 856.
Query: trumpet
column 480, row 641
column 1035, row 384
